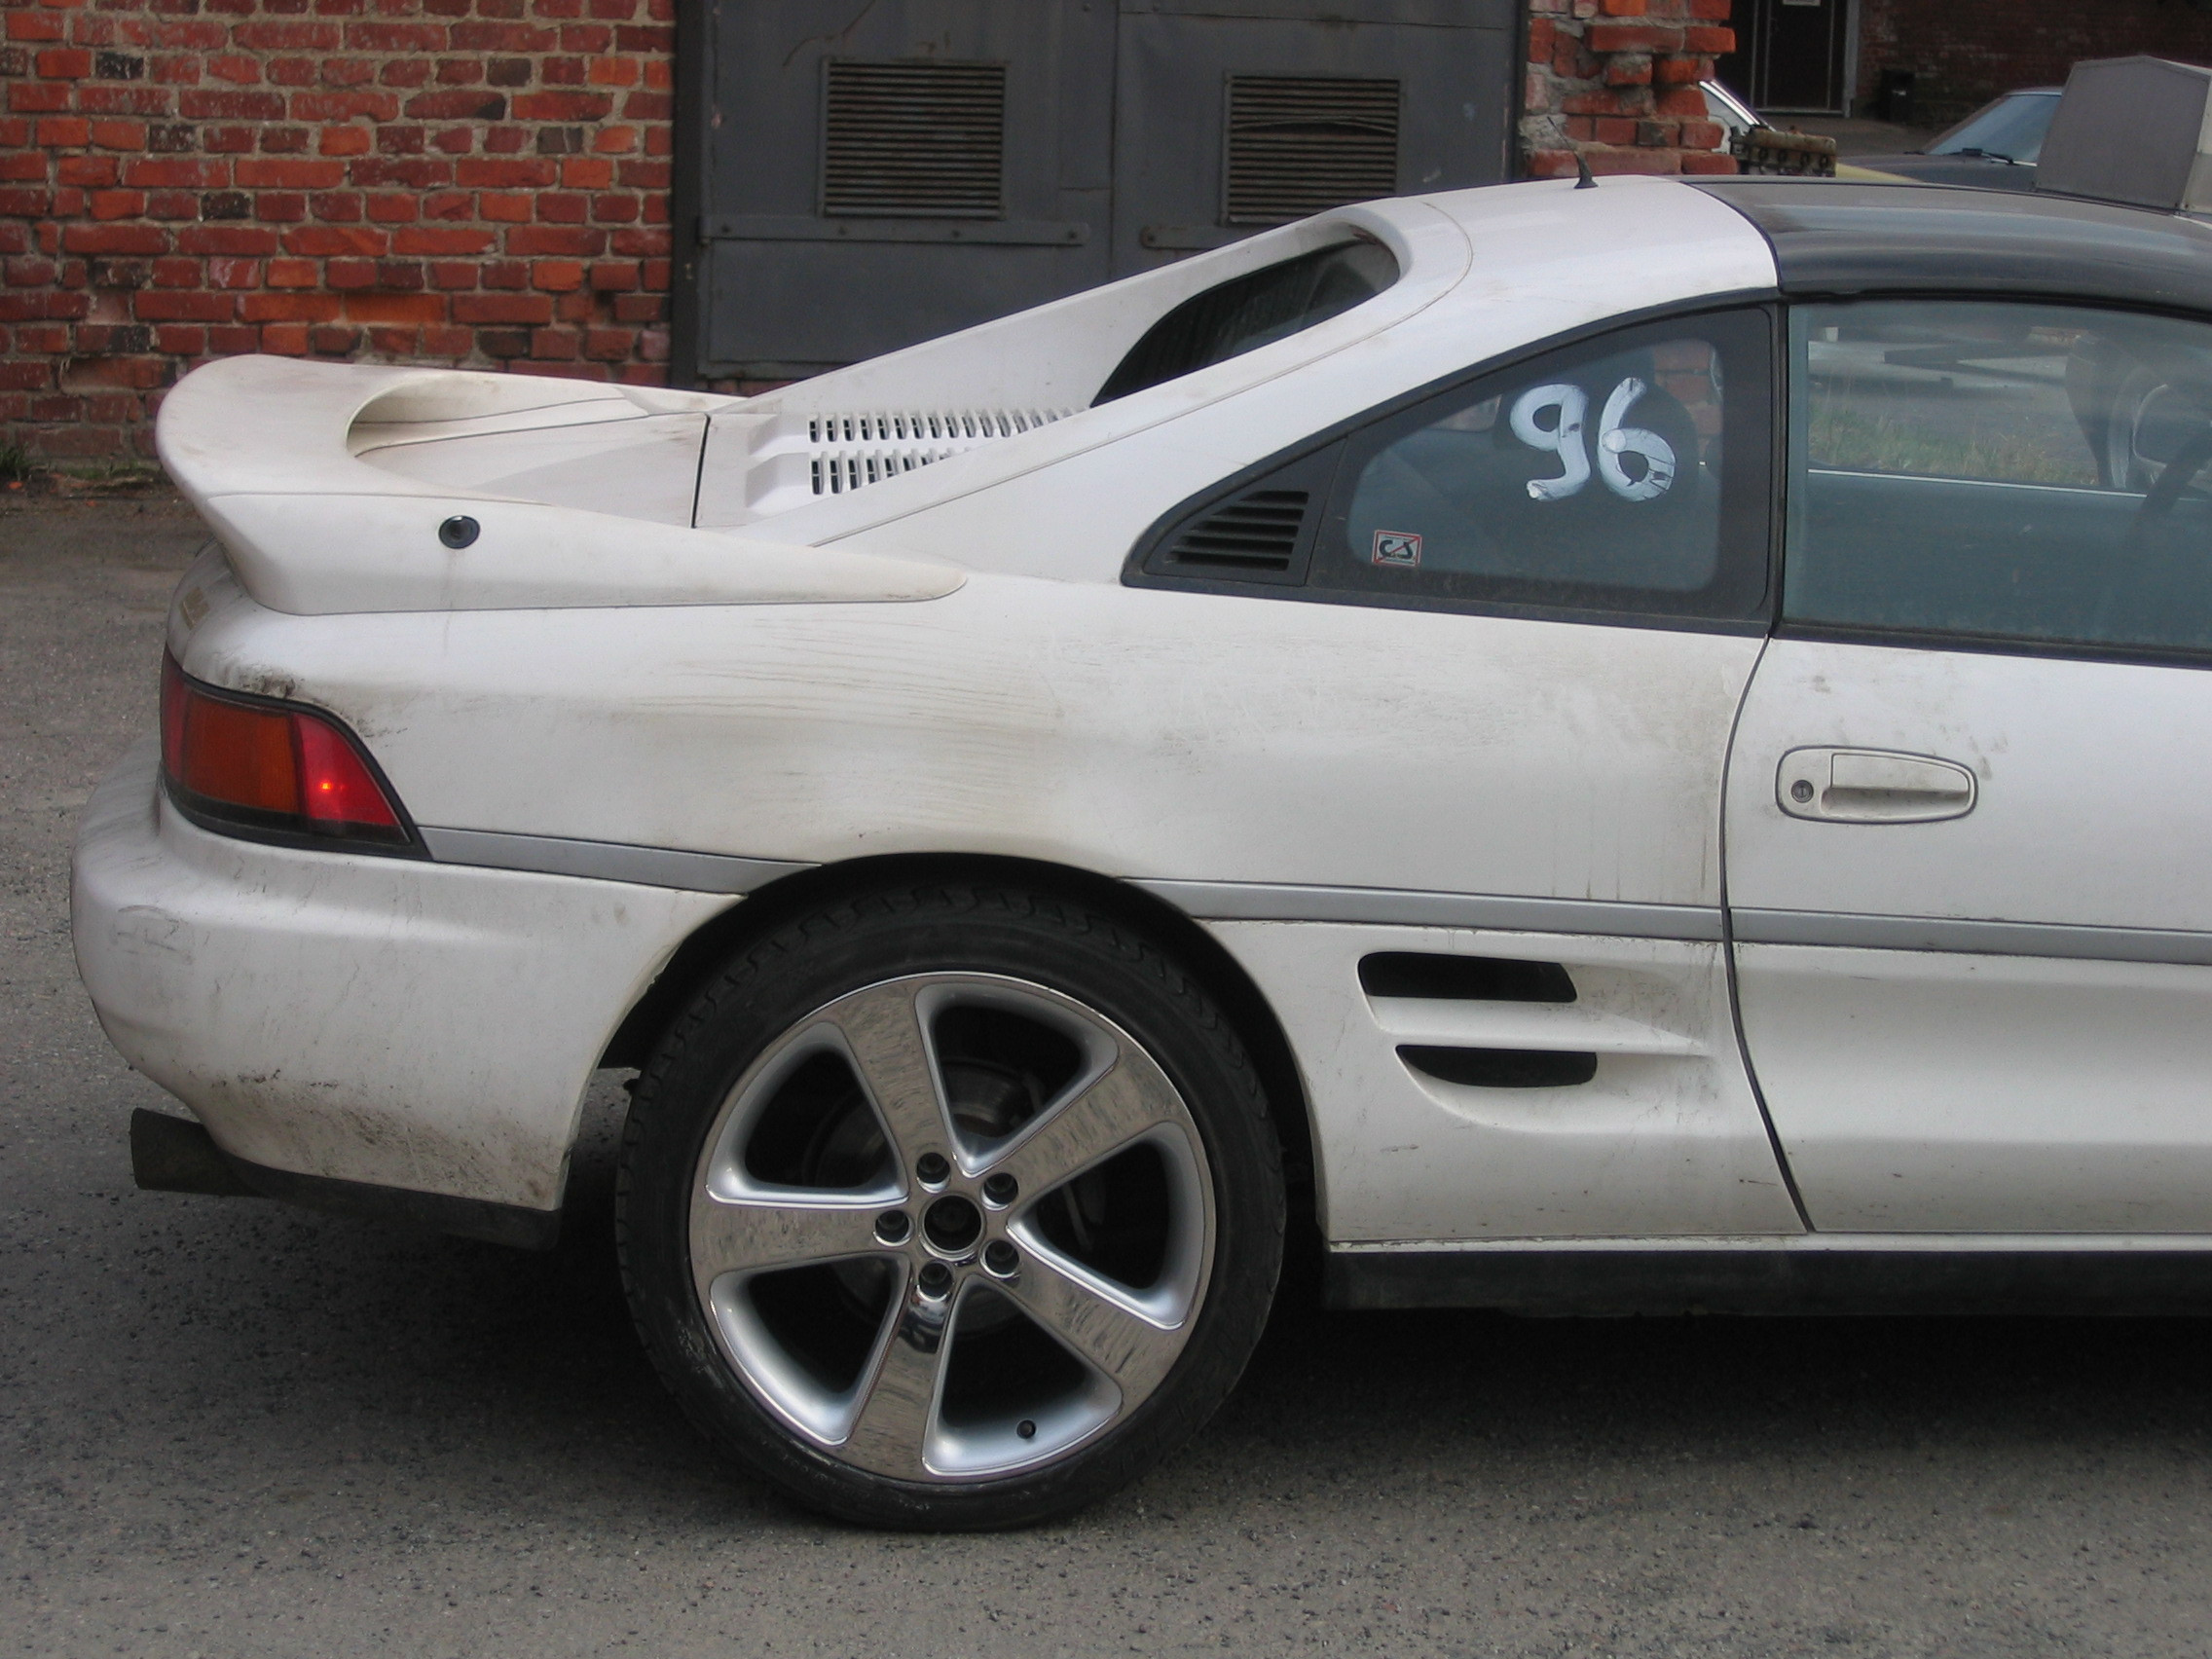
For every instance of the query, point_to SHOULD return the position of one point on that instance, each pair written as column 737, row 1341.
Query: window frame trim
column 1759, row 622
column 1994, row 644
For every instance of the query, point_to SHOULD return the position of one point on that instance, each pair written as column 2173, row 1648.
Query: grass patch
column 105, row 477
column 1853, row 440
column 25, row 474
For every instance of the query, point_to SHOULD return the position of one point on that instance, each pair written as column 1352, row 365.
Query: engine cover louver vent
column 849, row 452
column 1253, row 534
column 1297, row 144
column 913, row 140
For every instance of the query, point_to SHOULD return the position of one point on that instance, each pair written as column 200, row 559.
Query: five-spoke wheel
column 952, row 1224
column 973, row 1237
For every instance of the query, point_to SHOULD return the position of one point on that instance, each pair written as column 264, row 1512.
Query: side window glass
column 1625, row 475
column 1999, row 471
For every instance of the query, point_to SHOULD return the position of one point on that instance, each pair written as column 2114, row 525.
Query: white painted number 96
column 1564, row 438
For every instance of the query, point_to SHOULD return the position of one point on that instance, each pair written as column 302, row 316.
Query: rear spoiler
column 263, row 446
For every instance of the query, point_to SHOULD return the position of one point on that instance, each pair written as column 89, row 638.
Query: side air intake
column 1501, row 1068
column 1464, row 978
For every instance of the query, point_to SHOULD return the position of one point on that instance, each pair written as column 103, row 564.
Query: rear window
column 1251, row 311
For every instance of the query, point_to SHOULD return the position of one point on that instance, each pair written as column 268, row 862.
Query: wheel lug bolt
column 892, row 1227
column 1001, row 1188
column 936, row 1279
column 932, row 1168
column 1001, row 1258
column 1026, row 1429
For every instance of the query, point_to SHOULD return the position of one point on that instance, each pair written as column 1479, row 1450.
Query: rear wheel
column 952, row 1207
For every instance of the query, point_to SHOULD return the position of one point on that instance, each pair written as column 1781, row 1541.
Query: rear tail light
column 271, row 770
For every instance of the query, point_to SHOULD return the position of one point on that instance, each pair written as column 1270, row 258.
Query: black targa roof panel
column 1842, row 237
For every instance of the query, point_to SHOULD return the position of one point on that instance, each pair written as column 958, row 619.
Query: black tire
column 950, row 943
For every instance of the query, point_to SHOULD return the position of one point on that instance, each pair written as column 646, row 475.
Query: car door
column 1522, row 607
column 1972, row 782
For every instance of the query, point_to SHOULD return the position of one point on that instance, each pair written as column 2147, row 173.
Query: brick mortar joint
column 561, row 264
column 1591, row 73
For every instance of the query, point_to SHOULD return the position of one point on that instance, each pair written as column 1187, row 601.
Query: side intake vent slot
column 1503, row 1068
column 1435, row 997
column 913, row 140
column 1464, row 978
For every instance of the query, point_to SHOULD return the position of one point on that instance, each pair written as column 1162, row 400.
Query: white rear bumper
column 392, row 1023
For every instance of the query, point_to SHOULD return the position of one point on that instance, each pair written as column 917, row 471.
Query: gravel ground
column 231, row 1429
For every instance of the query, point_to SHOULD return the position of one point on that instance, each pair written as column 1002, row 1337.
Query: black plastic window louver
column 1257, row 532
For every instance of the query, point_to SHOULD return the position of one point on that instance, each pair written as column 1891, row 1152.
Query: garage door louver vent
column 922, row 140
column 1255, row 534
column 1300, row 143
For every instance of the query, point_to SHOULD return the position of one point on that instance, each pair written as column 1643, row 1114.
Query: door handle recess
column 1871, row 786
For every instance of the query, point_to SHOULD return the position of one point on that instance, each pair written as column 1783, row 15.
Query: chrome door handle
column 1871, row 786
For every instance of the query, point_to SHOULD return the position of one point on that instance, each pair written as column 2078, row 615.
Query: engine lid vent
column 913, row 140
column 1297, row 144
column 849, row 451
column 793, row 457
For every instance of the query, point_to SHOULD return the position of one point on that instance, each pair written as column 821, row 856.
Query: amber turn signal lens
column 248, row 765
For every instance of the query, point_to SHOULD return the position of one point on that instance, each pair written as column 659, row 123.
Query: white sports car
column 1620, row 747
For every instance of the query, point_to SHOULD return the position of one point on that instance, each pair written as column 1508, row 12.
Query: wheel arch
column 1224, row 978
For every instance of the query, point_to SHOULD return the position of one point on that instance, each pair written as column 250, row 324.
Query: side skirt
column 1816, row 1275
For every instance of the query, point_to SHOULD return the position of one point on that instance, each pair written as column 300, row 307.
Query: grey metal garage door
column 865, row 173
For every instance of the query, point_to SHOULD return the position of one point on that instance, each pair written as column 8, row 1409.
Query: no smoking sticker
column 1397, row 547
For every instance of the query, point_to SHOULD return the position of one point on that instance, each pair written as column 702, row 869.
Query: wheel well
column 1225, row 979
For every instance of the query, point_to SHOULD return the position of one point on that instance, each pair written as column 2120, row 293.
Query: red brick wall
column 1965, row 52
column 1617, row 82
column 477, row 182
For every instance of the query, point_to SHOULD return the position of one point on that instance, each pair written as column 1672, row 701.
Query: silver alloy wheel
column 952, row 1231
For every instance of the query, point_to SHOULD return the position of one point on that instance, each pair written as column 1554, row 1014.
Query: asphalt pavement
column 228, row 1429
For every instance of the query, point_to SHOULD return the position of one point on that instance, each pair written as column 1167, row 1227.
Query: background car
column 1994, row 148
column 1723, row 107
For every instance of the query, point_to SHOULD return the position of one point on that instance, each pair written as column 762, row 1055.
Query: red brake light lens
column 252, row 766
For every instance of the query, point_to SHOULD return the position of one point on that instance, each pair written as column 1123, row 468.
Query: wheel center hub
column 952, row 1224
